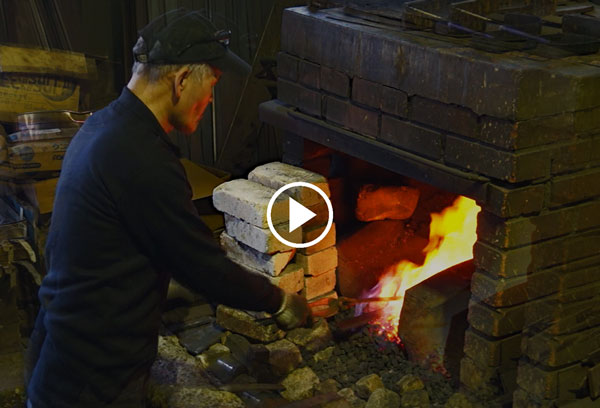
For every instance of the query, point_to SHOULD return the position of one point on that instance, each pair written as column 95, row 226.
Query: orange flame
column 451, row 238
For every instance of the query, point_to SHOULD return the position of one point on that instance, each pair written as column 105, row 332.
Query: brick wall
column 531, row 127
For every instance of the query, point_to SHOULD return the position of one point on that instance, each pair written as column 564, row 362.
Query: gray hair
column 155, row 72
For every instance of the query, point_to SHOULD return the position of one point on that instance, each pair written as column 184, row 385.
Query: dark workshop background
column 229, row 137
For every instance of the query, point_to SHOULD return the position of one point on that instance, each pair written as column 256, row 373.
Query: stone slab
column 182, row 318
column 313, row 338
column 198, row 339
column 276, row 175
column 241, row 322
column 261, row 239
column 244, row 255
column 248, row 201
column 284, row 356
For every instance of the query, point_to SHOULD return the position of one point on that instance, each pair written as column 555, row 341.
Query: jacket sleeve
column 158, row 211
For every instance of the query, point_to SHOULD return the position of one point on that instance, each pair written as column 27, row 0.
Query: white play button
column 299, row 214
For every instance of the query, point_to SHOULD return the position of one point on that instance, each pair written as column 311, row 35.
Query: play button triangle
column 299, row 214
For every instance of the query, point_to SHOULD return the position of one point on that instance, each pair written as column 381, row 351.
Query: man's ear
column 180, row 80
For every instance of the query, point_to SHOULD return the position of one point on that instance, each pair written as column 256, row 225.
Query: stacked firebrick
column 518, row 133
column 249, row 242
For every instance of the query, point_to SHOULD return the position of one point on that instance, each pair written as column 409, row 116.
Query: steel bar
column 504, row 27
column 251, row 387
column 450, row 24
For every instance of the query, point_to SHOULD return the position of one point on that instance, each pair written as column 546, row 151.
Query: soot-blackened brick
column 287, row 66
column 575, row 187
column 509, row 263
column 364, row 121
column 337, row 110
column 575, row 155
column 484, row 379
column 516, row 135
column 510, row 166
column 499, row 292
column 455, row 119
column 496, row 321
column 412, row 137
column 394, row 101
column 491, row 351
column 366, row 92
column 305, row 99
column 334, row 81
column 519, row 231
column 503, row 87
column 545, row 384
column 511, row 202
column 563, row 277
column 556, row 351
column 587, row 120
column 346, row 114
column 309, row 74
column 556, row 317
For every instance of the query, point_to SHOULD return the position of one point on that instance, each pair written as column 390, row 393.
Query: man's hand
column 294, row 312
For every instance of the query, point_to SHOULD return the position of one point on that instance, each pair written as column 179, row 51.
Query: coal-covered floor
column 224, row 353
column 366, row 352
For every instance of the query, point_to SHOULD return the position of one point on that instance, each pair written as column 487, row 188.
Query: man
column 123, row 222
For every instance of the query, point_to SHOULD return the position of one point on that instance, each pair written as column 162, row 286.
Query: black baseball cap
column 187, row 37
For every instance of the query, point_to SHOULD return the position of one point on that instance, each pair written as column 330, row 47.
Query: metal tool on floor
column 238, row 387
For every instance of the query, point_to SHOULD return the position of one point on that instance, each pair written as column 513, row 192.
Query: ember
column 451, row 239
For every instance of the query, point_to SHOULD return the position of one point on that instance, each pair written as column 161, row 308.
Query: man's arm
column 163, row 221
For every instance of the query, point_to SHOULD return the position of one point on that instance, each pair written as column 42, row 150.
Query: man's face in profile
column 195, row 97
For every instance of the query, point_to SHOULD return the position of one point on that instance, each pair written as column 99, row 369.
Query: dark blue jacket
column 123, row 223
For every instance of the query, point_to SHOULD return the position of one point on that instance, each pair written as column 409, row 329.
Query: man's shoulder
column 112, row 134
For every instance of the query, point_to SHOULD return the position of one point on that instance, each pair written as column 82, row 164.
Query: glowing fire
column 451, row 239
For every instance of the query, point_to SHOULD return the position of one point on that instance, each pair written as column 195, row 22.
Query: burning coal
column 451, row 239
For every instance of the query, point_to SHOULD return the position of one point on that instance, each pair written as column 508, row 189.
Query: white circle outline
column 312, row 187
